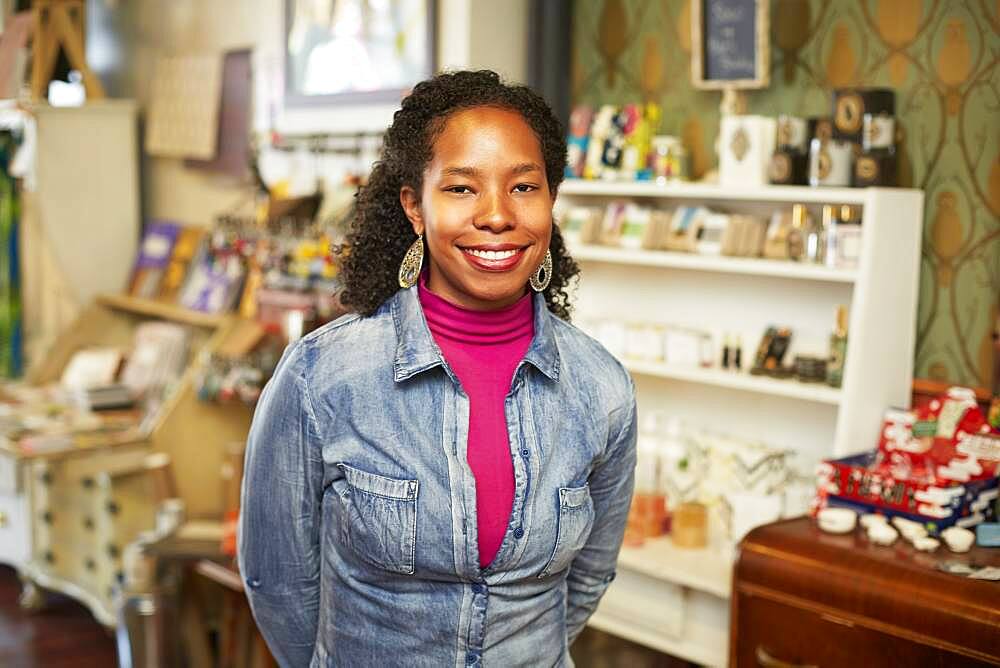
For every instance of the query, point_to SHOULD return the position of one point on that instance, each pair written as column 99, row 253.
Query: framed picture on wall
column 356, row 51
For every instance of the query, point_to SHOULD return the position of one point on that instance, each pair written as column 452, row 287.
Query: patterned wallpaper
column 941, row 58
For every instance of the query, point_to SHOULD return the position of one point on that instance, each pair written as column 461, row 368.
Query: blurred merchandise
column 830, row 162
column 746, row 144
column 159, row 354
column 694, row 482
column 184, row 249
column 935, row 466
column 843, row 240
column 771, row 352
column 851, row 105
column 155, row 252
column 690, row 526
column 838, row 349
column 579, row 137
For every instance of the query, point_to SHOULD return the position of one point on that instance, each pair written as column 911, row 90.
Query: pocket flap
column 372, row 483
column 574, row 497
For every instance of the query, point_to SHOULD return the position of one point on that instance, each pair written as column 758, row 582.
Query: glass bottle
column 838, row 349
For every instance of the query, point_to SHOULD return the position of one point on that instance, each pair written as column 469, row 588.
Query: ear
column 411, row 207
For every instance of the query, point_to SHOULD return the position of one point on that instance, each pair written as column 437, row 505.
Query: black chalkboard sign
column 729, row 43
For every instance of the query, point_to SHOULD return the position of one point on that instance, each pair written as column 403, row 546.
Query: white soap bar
column 909, row 529
column 869, row 519
column 958, row 539
column 837, row 520
column 881, row 533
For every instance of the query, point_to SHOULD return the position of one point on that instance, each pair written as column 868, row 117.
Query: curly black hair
column 379, row 231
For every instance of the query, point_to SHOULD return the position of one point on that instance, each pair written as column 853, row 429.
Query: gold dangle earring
column 540, row 279
column 409, row 269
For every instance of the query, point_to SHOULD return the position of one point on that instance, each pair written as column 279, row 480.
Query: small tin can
column 788, row 168
column 850, row 105
column 669, row 159
column 793, row 134
column 875, row 169
column 878, row 135
column 830, row 163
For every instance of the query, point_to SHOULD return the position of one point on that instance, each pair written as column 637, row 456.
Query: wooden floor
column 65, row 635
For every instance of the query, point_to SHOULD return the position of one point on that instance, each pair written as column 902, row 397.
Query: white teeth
column 491, row 255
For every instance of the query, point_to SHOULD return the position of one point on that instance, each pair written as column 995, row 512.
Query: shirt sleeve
column 280, row 510
column 611, row 485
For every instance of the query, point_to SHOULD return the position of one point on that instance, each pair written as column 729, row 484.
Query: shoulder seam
column 300, row 380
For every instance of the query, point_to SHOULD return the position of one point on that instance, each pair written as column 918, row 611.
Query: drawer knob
column 4, row 520
column 765, row 659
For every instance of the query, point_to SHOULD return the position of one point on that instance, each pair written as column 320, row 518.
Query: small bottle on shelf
column 829, row 236
column 838, row 349
column 796, row 240
column 647, row 513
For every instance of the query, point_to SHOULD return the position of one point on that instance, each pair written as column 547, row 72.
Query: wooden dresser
column 802, row 597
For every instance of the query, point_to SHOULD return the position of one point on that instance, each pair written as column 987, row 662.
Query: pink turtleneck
column 483, row 348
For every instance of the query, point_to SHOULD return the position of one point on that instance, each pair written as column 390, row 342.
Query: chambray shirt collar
column 416, row 350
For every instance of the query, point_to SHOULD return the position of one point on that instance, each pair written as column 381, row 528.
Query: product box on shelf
column 746, row 144
column 936, row 465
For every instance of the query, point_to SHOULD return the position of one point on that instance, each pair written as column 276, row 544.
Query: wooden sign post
column 60, row 23
column 730, row 48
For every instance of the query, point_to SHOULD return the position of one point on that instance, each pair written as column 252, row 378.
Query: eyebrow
column 472, row 172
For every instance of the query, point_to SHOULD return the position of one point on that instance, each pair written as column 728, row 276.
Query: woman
column 443, row 477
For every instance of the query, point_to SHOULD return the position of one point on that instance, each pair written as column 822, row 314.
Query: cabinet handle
column 765, row 659
column 3, row 520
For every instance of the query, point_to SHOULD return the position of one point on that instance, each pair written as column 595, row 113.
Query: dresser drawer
column 15, row 531
column 10, row 474
column 777, row 633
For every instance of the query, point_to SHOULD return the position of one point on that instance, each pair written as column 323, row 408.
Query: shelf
column 704, row 191
column 163, row 310
column 703, row 645
column 709, row 569
column 723, row 264
column 736, row 380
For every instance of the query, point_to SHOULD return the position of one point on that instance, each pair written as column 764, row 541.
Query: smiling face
column 485, row 208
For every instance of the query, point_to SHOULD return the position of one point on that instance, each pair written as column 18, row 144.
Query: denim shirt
column 357, row 535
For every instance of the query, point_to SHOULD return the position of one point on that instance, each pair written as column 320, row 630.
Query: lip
column 482, row 264
column 494, row 247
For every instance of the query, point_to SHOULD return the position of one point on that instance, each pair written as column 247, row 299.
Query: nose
column 495, row 213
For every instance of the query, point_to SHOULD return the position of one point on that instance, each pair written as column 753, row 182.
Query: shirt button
column 471, row 658
column 519, row 533
column 525, row 453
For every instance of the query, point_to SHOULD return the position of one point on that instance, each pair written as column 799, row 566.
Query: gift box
column 936, row 465
column 746, row 144
column 851, row 482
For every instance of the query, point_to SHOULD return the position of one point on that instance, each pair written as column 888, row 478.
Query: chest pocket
column 576, row 518
column 381, row 525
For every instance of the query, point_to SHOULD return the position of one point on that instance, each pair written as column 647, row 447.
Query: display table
column 804, row 597
column 197, row 590
column 67, row 514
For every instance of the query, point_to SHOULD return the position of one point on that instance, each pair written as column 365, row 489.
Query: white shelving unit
column 739, row 381
column 743, row 296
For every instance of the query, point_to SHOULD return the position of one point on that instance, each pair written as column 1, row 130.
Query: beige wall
column 134, row 33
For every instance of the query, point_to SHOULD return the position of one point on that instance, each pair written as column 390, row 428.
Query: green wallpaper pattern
column 940, row 56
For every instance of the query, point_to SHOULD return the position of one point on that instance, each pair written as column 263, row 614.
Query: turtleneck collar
column 465, row 325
